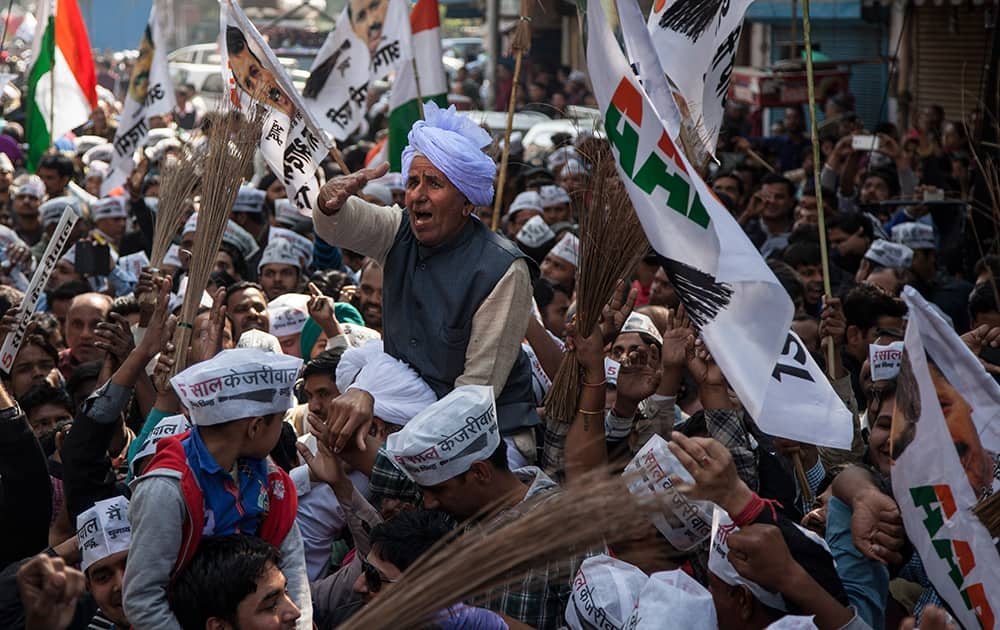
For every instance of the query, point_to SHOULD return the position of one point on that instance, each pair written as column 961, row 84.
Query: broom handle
column 338, row 157
column 498, row 199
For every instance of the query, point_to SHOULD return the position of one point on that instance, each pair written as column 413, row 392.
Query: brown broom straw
column 520, row 43
column 232, row 141
column 471, row 563
column 178, row 182
column 611, row 244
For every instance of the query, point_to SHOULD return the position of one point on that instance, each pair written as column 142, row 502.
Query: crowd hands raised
column 322, row 436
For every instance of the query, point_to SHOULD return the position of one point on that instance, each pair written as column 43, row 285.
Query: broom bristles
column 611, row 244
column 470, row 564
column 179, row 180
column 232, row 140
column 988, row 513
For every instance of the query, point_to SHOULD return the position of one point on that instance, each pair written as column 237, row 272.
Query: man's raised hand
column 335, row 193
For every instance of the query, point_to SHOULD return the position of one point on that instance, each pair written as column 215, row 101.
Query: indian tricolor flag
column 62, row 84
column 403, row 101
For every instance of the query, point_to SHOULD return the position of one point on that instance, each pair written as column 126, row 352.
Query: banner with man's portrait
column 370, row 40
column 291, row 142
column 150, row 93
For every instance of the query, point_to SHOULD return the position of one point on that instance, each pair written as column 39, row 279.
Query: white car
column 537, row 141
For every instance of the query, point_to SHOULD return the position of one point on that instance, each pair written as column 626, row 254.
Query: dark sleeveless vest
column 430, row 295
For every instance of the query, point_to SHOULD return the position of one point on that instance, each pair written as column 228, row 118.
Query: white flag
column 370, row 40
column 150, row 93
column 943, row 395
column 291, row 142
column 696, row 43
column 741, row 310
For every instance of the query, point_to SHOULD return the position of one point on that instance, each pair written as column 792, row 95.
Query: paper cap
column 379, row 192
column 553, row 195
column 236, row 384
column 98, row 168
column 446, row 438
column 288, row 314
column 6, row 166
column 887, row 254
column 103, row 530
column 914, row 235
column 560, row 157
column 108, row 208
column 33, row 186
column 250, row 200
column 528, row 200
column 52, row 210
column 260, row 340
column 279, row 252
column 639, row 323
column 885, row 360
column 573, row 167
column 568, row 248
column 535, row 233
column 302, row 246
column 167, row 427
column 676, row 596
column 605, row 591
column 718, row 561
column 684, row 522
column 392, row 181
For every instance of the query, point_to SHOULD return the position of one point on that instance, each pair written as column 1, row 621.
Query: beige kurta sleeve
column 497, row 330
column 361, row 227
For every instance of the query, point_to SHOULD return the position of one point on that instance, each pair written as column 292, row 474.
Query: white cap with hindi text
column 528, row 200
column 684, row 522
column 568, row 248
column 676, row 596
column 249, row 200
column 280, row 252
column 888, row 254
column 108, row 208
column 885, row 360
column 553, row 195
column 167, row 427
column 605, row 591
column 236, row 384
column 103, row 530
column 914, row 235
column 640, row 323
column 535, row 232
column 446, row 438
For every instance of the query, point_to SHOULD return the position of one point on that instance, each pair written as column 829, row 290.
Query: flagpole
column 520, row 42
column 52, row 88
column 416, row 81
column 831, row 348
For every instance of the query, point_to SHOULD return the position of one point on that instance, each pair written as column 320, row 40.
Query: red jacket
column 283, row 501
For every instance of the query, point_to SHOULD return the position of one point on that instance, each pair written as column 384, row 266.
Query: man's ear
column 215, row 623
column 482, row 472
column 853, row 334
column 254, row 427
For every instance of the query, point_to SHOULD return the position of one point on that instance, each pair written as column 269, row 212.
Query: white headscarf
column 398, row 391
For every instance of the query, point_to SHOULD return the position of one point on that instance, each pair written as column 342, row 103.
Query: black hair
column 888, row 175
column 864, row 304
column 772, row 178
column 125, row 305
column 330, row 281
column 325, row 362
column 58, row 163
column 45, row 394
column 802, row 254
column 266, row 181
column 499, row 457
column 236, row 41
column 45, row 324
column 409, row 535
column 222, row 573
column 788, row 278
column 240, row 286
column 990, row 262
column 731, row 175
column 982, row 300
column 67, row 291
column 43, row 343
column 545, row 292
column 850, row 222
column 239, row 262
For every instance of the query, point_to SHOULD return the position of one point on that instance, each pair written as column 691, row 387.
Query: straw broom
column 611, row 244
column 232, row 140
column 180, row 177
column 469, row 564
column 520, row 43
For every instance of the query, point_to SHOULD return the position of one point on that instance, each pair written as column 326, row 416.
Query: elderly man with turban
column 457, row 296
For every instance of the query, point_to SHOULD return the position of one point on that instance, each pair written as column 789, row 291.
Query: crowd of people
column 361, row 383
